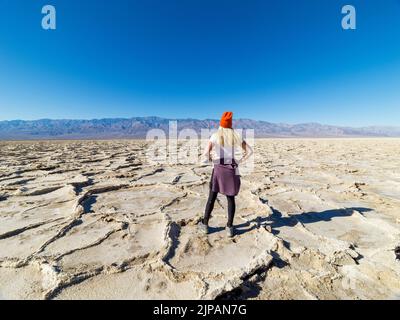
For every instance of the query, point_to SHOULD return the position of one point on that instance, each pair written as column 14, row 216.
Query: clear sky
column 279, row 61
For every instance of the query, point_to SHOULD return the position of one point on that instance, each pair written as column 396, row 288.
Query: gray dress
column 225, row 178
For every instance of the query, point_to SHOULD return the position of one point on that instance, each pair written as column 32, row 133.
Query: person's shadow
column 277, row 220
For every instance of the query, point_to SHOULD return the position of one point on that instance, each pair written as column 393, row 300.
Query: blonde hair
column 228, row 137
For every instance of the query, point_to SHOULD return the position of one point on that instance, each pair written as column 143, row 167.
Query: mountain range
column 139, row 126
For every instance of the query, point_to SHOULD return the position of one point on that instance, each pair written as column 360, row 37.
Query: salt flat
column 317, row 219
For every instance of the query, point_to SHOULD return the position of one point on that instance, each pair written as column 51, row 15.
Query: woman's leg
column 231, row 210
column 210, row 206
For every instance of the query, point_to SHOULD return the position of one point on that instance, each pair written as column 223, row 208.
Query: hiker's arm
column 207, row 151
column 247, row 151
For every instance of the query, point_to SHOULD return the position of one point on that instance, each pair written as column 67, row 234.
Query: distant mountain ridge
column 139, row 126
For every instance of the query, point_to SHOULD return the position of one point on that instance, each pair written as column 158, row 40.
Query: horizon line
column 197, row 119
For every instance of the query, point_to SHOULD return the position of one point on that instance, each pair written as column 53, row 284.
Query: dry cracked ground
column 316, row 219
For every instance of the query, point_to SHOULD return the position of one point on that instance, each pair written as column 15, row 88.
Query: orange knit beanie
column 226, row 120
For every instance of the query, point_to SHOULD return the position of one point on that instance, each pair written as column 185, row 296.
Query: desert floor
column 316, row 219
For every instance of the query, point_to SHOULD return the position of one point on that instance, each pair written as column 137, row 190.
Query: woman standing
column 225, row 178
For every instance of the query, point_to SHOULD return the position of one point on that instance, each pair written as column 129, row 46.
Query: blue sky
column 279, row 61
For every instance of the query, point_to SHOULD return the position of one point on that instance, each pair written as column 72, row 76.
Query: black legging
column 210, row 206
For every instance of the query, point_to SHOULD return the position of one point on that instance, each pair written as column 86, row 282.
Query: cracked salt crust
column 317, row 219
